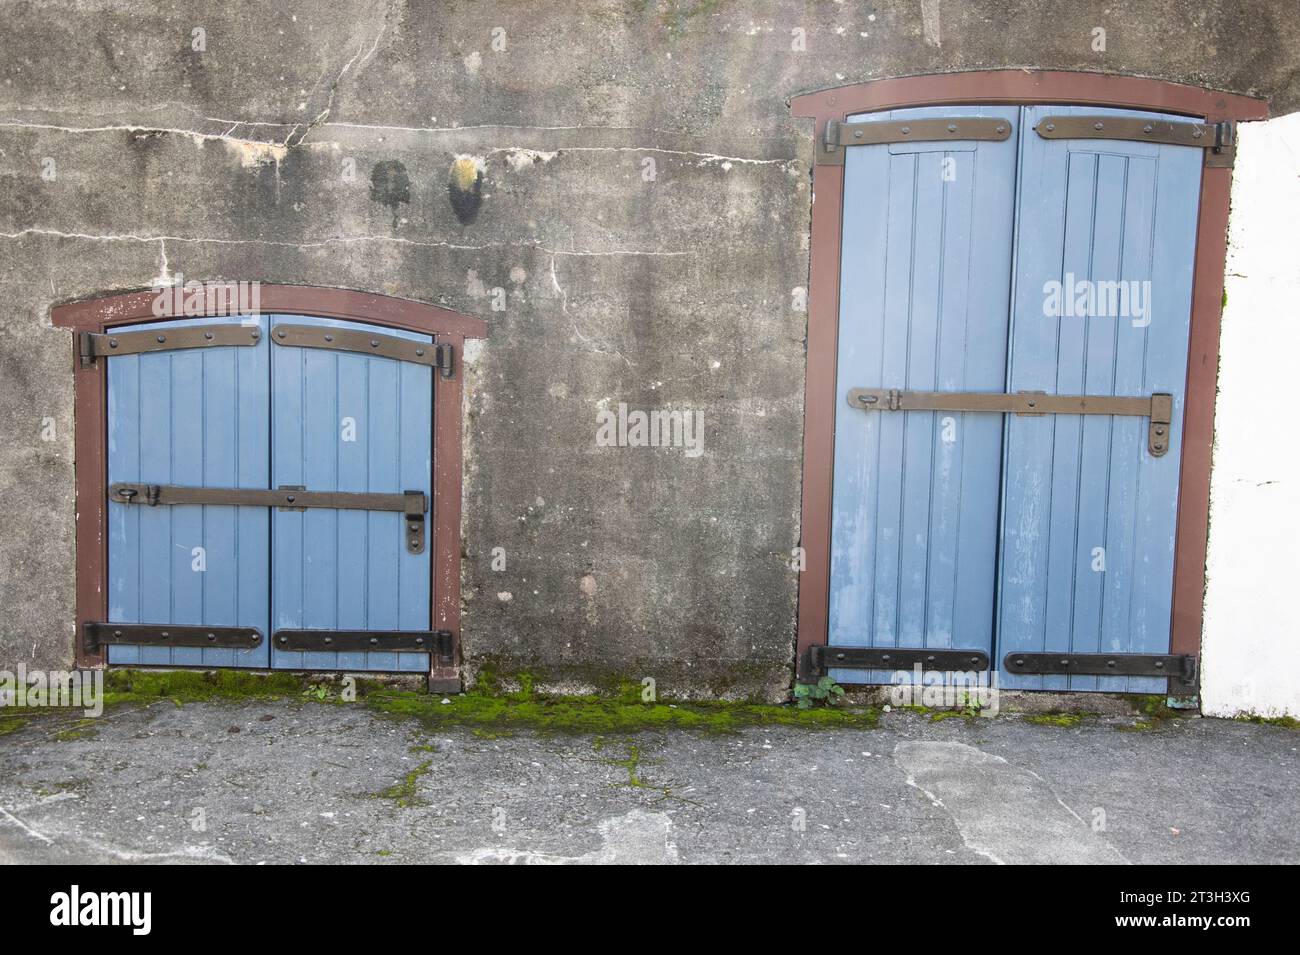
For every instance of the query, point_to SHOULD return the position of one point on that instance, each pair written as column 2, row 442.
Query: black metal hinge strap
column 92, row 345
column 351, row 641
column 1217, row 139
column 413, row 505
column 1158, row 408
column 1180, row 668
column 366, row 343
column 821, row 658
column 837, row 135
column 96, row 635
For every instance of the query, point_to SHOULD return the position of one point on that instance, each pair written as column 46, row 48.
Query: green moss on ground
column 484, row 710
column 405, row 792
column 1283, row 722
column 1058, row 719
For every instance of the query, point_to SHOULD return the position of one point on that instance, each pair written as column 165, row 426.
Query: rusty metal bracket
column 1158, row 408
column 837, row 135
column 437, row 642
column 437, row 356
column 1219, row 140
column 413, row 505
column 1179, row 668
column 93, row 345
column 819, row 659
column 96, row 635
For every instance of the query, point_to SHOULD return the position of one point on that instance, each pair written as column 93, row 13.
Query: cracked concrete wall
column 644, row 213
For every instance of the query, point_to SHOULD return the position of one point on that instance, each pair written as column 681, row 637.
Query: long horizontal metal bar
column 837, row 135
column 821, row 658
column 94, row 345
column 955, row 129
column 97, row 634
column 348, row 641
column 1180, row 667
column 365, row 343
column 1158, row 408
column 1218, row 138
column 408, row 502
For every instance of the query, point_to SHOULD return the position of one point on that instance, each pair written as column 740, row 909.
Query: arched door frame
column 1014, row 87
column 90, row 395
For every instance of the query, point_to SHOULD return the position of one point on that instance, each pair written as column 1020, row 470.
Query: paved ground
column 302, row 782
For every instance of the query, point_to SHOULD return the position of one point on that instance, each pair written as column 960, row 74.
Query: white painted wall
column 1251, row 661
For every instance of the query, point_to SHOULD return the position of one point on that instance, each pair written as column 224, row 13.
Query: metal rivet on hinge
column 1147, row 128
column 952, row 127
column 1160, row 664
column 1019, row 662
column 374, row 343
column 208, row 336
column 112, row 343
column 1001, row 129
column 329, row 639
column 1065, row 663
column 212, row 636
column 905, row 130
column 1099, row 126
column 857, row 134
column 161, row 339
column 281, row 333
column 374, row 640
column 1050, row 127
column 166, row 635
column 329, row 338
column 419, row 352
column 1197, row 132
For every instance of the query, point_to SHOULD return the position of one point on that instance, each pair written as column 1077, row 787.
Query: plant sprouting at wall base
column 825, row 691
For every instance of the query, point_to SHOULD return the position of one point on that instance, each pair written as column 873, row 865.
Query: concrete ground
column 288, row 781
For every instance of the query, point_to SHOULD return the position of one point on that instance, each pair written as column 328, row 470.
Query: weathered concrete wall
column 670, row 285
column 1252, row 619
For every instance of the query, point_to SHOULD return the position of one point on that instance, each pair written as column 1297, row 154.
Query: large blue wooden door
column 197, row 418
column 992, row 531
column 349, row 422
column 208, row 420
column 923, row 305
column 1089, row 515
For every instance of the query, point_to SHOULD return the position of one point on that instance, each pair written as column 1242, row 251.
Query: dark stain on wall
column 465, row 189
column 390, row 185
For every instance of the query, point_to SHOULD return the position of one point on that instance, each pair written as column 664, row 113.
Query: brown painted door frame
column 1016, row 87
column 90, row 430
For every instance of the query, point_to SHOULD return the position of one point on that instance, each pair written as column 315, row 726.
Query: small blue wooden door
column 348, row 422
column 924, row 285
column 1087, row 551
column 197, row 418
column 263, row 417
column 992, row 532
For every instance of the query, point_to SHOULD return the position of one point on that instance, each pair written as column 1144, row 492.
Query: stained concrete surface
column 294, row 782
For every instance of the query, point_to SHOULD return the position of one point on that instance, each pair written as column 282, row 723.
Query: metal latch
column 1158, row 408
column 1219, row 140
column 837, row 135
column 412, row 505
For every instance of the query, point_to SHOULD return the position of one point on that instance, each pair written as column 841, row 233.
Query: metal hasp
column 817, row 660
column 1179, row 668
column 366, row 343
column 92, row 345
column 1219, row 140
column 95, row 635
column 1158, row 408
column 437, row 642
column 837, row 135
column 413, row 505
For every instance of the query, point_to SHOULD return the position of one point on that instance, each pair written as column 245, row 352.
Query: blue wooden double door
column 1032, row 264
column 257, row 416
